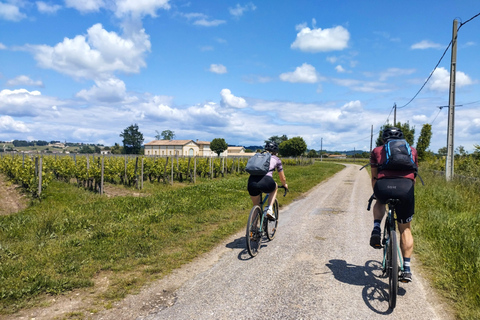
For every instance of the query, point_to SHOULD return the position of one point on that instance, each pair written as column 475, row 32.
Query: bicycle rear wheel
column 392, row 259
column 254, row 233
column 272, row 225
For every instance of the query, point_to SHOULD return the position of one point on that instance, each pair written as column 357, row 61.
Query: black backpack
column 259, row 164
column 398, row 156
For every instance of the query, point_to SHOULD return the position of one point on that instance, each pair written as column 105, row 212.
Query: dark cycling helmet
column 392, row 133
column 271, row 146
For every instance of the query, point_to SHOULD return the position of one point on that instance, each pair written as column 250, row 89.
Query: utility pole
column 394, row 114
column 451, row 107
column 371, row 139
column 321, row 146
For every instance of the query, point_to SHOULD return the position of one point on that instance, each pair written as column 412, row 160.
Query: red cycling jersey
column 378, row 157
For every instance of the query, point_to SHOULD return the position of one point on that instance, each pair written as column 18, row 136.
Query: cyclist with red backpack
column 394, row 170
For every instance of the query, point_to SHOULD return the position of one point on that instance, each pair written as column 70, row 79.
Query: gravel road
column 319, row 266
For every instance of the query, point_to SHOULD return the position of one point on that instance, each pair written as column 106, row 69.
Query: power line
column 425, row 83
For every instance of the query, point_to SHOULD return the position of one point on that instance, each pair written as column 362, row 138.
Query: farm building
column 178, row 148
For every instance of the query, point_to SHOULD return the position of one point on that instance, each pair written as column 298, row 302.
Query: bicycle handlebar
column 286, row 190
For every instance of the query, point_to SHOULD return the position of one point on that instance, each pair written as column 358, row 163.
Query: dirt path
column 11, row 199
column 319, row 266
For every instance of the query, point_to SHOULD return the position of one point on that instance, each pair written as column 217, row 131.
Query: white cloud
column 306, row 73
column 140, row 7
column 97, row 55
column 208, row 23
column 2, row 46
column 440, row 80
column 24, row 81
column 9, row 124
column 85, row 6
column 218, row 68
column 340, row 69
column 318, row 40
column 11, row 12
column 238, row 11
column 47, row 8
column 394, row 72
column 425, row 44
column 111, row 90
column 229, row 100
column 363, row 86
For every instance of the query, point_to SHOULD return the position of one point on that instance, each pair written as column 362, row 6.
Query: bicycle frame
column 390, row 225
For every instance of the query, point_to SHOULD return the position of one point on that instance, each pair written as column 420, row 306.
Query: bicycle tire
column 253, row 235
column 271, row 226
column 393, row 272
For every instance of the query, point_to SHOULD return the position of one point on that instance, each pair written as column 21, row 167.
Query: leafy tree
column 312, row 154
column 157, row 136
column 442, row 151
column 167, row 135
column 408, row 132
column 117, row 149
column 218, row 145
column 293, row 147
column 132, row 140
column 424, row 141
column 86, row 149
column 277, row 139
column 476, row 152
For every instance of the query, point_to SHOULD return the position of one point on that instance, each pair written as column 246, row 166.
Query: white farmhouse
column 178, row 148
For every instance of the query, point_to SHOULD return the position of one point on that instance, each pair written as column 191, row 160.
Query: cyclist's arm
column 281, row 174
column 374, row 171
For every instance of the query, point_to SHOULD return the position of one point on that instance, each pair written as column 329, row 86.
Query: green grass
column 66, row 240
column 446, row 229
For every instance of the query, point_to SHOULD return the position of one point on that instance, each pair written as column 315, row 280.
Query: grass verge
column 447, row 239
column 63, row 242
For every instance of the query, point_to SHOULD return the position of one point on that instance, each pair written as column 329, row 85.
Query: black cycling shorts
column 261, row 184
column 398, row 188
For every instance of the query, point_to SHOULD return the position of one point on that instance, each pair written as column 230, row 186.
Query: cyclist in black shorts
column 394, row 184
column 266, row 184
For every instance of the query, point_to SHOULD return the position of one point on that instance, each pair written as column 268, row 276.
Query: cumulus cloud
column 425, row 44
column 110, row 90
column 140, row 8
column 318, row 40
column 97, row 55
column 229, row 100
column 306, row 73
column 43, row 7
column 24, row 81
column 9, row 124
column 340, row 69
column 85, row 6
column 10, row 12
column 363, row 86
column 239, row 10
column 218, row 68
column 440, row 80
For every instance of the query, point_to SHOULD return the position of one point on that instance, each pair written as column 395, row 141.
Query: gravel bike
column 259, row 225
column 392, row 254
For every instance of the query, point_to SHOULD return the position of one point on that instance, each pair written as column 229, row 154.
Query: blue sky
column 84, row 70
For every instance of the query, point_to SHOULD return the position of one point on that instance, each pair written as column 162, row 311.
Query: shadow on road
column 240, row 243
column 370, row 276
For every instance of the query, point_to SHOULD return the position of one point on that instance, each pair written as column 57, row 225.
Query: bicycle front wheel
column 254, row 232
column 272, row 225
column 392, row 258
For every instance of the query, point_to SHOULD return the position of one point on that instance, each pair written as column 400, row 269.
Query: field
column 73, row 235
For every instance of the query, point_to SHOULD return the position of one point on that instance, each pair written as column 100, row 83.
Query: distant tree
column 442, row 151
column 167, row 135
column 476, row 152
column 132, row 140
column 218, row 145
column 460, row 150
column 312, row 154
column 248, row 150
column 293, row 147
column 117, row 149
column 277, row 139
column 41, row 143
column 86, row 149
column 424, row 141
